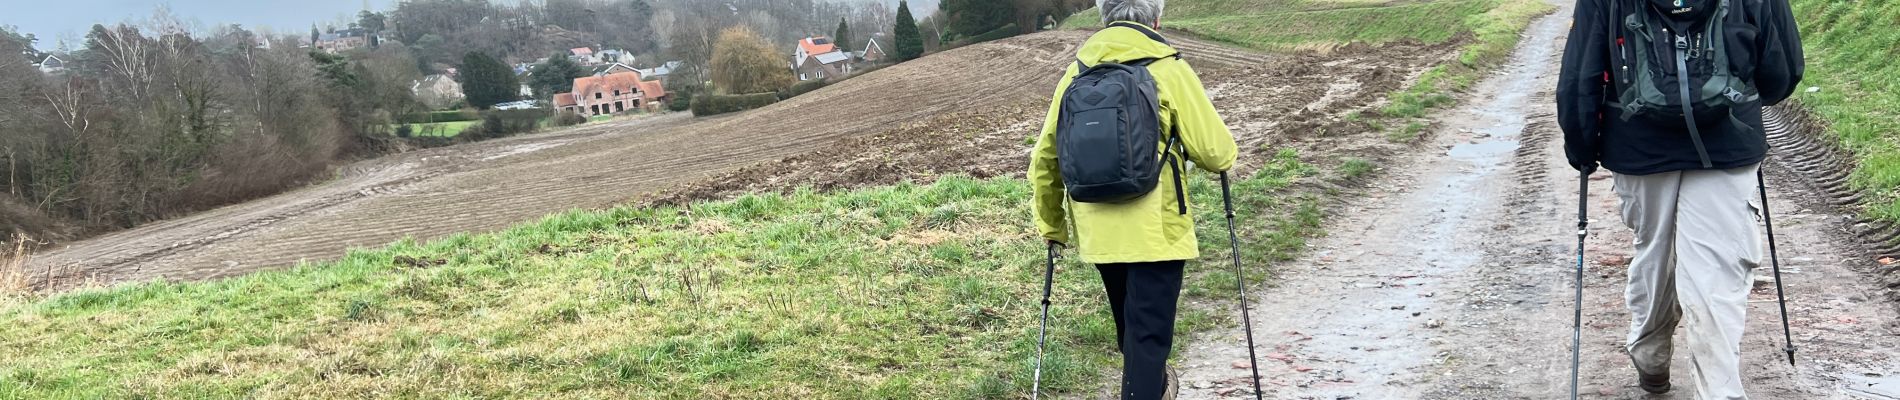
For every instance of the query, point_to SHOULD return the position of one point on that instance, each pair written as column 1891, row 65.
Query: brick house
column 610, row 93
column 343, row 40
column 873, row 51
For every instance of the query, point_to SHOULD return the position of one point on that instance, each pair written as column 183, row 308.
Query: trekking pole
column 1583, row 230
column 1240, row 283
column 1042, row 335
column 1787, row 337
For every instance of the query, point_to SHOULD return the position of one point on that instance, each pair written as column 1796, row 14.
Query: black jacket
column 1763, row 44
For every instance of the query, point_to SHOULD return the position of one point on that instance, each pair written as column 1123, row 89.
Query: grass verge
column 1495, row 34
column 909, row 291
column 439, row 129
column 1849, row 51
column 1292, row 25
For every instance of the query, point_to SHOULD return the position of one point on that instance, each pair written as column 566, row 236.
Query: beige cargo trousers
column 1696, row 240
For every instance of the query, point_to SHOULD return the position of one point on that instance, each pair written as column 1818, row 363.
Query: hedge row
column 503, row 123
column 438, row 117
column 802, row 88
column 711, row 104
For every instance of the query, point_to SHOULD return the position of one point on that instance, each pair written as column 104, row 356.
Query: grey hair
column 1146, row 12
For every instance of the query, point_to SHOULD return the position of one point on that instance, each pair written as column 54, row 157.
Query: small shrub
column 706, row 105
column 503, row 123
column 405, row 131
column 568, row 119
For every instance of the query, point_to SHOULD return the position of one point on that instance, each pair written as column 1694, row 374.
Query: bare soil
column 1452, row 279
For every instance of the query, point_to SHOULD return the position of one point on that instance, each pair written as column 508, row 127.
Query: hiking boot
column 1174, row 385
column 1653, row 383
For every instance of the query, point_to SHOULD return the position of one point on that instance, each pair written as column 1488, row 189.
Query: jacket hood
column 1124, row 41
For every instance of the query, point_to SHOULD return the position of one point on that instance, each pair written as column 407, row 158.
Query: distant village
column 613, row 86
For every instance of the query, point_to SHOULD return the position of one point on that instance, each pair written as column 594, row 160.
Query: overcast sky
column 53, row 20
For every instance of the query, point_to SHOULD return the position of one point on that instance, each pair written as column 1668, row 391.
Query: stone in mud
column 1434, row 323
column 1242, row 364
column 1613, row 260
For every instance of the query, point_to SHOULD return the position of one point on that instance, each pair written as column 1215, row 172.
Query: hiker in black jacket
column 1685, row 189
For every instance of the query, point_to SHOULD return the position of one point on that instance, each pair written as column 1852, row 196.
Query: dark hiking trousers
column 1143, row 297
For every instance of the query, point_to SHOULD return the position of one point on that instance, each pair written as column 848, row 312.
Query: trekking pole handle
column 1583, row 204
column 1227, row 193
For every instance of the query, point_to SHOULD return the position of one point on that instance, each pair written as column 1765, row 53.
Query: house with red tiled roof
column 813, row 46
column 583, row 55
column 611, row 93
column 819, row 58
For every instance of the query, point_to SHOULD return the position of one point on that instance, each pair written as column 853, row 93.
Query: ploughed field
column 487, row 186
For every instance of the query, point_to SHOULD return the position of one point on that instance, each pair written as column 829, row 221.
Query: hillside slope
column 1850, row 48
column 486, row 186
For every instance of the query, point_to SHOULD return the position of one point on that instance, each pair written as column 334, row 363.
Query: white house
column 437, row 91
column 661, row 71
column 52, row 64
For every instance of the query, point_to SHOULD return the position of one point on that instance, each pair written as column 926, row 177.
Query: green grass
column 1407, row 134
column 1850, row 46
column 1355, row 167
column 1494, row 34
column 440, row 129
column 1288, row 25
column 908, row 291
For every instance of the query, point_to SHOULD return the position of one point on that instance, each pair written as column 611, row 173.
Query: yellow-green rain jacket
column 1150, row 228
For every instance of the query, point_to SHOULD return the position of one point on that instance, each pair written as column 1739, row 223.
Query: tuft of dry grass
column 13, row 257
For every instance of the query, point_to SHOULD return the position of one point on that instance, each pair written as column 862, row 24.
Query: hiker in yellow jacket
column 1141, row 245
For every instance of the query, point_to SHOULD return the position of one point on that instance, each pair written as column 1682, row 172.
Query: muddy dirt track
column 1451, row 279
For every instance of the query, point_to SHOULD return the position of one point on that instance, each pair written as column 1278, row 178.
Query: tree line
column 149, row 121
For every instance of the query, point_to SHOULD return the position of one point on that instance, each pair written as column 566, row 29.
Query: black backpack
column 1663, row 74
column 1108, row 134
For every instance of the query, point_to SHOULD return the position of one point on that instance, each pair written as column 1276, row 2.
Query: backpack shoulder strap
column 1717, row 35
